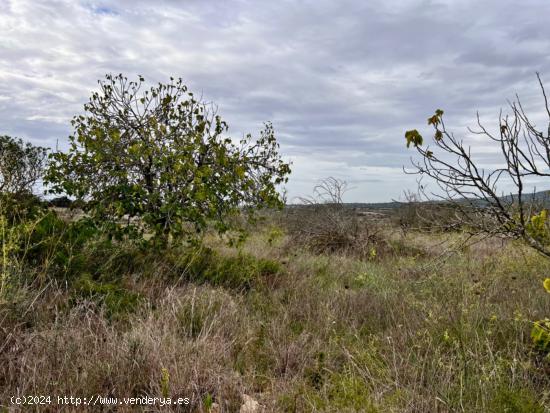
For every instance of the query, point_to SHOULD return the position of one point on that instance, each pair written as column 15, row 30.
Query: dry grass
column 419, row 332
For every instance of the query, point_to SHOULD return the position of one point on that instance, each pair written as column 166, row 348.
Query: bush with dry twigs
column 324, row 224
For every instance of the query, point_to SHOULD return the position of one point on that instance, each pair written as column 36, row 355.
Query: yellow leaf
column 546, row 284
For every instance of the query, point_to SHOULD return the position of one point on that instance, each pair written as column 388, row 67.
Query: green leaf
column 414, row 137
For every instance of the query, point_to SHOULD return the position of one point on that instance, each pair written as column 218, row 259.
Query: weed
column 118, row 301
column 165, row 382
column 239, row 272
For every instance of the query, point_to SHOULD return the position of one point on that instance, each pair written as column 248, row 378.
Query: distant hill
column 374, row 205
column 542, row 197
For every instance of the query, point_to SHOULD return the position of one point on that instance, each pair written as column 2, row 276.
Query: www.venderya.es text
column 97, row 400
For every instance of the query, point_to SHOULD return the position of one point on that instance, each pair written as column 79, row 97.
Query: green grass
column 296, row 331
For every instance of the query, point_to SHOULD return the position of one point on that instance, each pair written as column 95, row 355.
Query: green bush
column 116, row 300
column 54, row 246
column 67, row 249
column 239, row 272
column 343, row 392
column 18, row 222
column 21, row 207
column 508, row 400
column 540, row 334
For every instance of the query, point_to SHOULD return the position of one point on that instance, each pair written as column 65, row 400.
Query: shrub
column 540, row 334
column 54, row 246
column 515, row 401
column 116, row 300
column 61, row 202
column 25, row 206
column 240, row 272
column 324, row 224
column 426, row 216
column 50, row 246
column 16, row 229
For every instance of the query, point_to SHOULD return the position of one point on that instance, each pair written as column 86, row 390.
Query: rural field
column 416, row 322
column 282, row 206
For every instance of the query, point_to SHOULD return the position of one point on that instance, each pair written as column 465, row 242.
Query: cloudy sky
column 340, row 80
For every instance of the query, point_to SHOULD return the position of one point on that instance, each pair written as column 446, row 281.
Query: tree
column 474, row 193
column 161, row 155
column 21, row 166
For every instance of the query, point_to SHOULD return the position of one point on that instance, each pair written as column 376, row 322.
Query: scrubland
column 409, row 322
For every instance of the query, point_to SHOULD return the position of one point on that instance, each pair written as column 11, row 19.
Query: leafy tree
column 161, row 155
column 21, row 165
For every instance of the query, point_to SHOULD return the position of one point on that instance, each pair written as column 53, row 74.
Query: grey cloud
column 341, row 81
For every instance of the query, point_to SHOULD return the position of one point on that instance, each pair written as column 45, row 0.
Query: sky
column 340, row 80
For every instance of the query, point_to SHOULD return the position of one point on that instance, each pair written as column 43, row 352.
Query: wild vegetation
column 161, row 156
column 161, row 277
column 403, row 329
